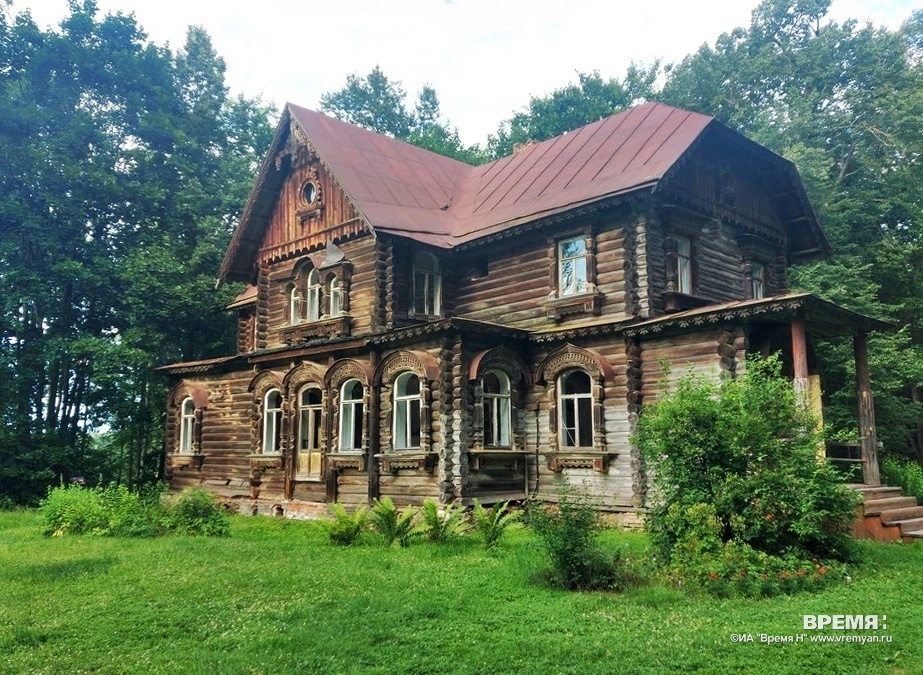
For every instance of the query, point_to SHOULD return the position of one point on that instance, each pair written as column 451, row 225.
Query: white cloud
column 483, row 57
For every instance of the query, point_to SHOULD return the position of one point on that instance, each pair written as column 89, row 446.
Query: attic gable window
column 427, row 285
column 683, row 265
column 573, row 275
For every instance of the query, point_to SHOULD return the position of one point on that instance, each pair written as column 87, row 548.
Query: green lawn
column 275, row 597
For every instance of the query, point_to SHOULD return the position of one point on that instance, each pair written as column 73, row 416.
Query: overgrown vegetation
column 569, row 531
column 442, row 523
column 116, row 511
column 392, row 525
column 490, row 524
column 346, row 527
column 738, row 491
column 903, row 473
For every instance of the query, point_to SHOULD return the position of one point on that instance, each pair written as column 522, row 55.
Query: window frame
column 356, row 407
column 577, row 404
column 581, row 283
column 683, row 264
column 313, row 296
column 186, row 444
column 497, row 411
column 757, row 280
column 271, row 436
column 426, row 285
column 407, row 418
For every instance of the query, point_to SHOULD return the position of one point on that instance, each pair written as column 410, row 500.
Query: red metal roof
column 404, row 190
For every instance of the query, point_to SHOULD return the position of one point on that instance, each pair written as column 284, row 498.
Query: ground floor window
column 187, row 425
column 272, row 422
column 575, row 396
column 351, row 413
column 496, row 392
column 407, row 409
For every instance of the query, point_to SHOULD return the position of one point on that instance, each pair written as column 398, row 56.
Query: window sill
column 328, row 327
column 186, row 460
column 392, row 462
column 580, row 459
column 346, row 460
column 674, row 301
column 266, row 461
column 580, row 303
column 483, row 458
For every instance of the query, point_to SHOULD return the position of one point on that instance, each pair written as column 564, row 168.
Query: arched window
column 272, row 422
column 496, row 388
column 336, row 301
column 427, row 284
column 313, row 296
column 575, row 398
column 295, row 305
column 351, row 412
column 407, row 407
column 187, row 425
column 309, row 420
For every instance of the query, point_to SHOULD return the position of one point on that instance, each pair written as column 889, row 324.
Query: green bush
column 198, row 512
column 345, row 528
column 569, row 532
column 72, row 509
column 736, row 462
column 393, row 526
column 906, row 474
column 440, row 524
column 490, row 524
column 133, row 514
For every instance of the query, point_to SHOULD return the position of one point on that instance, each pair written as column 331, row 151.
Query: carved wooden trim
column 482, row 459
column 396, row 461
column 337, row 461
column 598, row 461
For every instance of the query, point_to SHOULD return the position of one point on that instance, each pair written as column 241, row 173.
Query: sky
column 485, row 58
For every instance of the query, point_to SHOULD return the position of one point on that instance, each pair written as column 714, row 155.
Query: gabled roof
column 404, row 190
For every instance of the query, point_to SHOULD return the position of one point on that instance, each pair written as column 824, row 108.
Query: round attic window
column 309, row 192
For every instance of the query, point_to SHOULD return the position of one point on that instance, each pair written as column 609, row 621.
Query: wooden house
column 415, row 327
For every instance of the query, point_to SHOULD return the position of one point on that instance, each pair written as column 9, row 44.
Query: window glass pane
column 503, row 422
column 569, row 423
column 584, row 422
column 576, row 382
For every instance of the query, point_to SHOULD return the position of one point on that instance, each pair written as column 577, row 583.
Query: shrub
column 490, row 524
column 198, row 512
column 906, row 474
column 72, row 509
column 393, row 526
column 569, row 532
column 442, row 523
column 133, row 514
column 345, row 528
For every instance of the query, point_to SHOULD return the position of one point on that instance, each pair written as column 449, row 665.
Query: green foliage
column 345, row 528
column 442, row 523
column 569, row 532
column 392, row 525
column 906, row 474
column 116, row 511
column 736, row 462
column 198, row 512
column 490, row 524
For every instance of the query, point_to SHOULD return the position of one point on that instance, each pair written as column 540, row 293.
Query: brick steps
column 887, row 515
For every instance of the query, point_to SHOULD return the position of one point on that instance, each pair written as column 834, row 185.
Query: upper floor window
column 496, row 388
column 272, row 422
column 427, row 285
column 295, row 304
column 407, row 411
column 313, row 296
column 572, row 267
column 575, row 400
column 187, row 425
column 309, row 426
column 757, row 280
column 683, row 264
column 351, row 414
column 336, row 297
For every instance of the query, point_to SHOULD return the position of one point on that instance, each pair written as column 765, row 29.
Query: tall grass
column 277, row 597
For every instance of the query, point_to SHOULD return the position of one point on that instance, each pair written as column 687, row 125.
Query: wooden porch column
column 800, row 359
column 867, row 434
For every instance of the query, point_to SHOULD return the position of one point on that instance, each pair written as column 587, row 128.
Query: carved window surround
column 330, row 327
column 337, row 461
column 483, row 459
column 583, row 303
column 580, row 459
column 392, row 462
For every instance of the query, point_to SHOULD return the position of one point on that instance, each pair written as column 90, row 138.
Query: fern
column 490, row 524
column 345, row 528
column 441, row 524
column 393, row 526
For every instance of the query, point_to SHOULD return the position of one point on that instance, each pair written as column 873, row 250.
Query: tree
column 124, row 167
column 378, row 103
